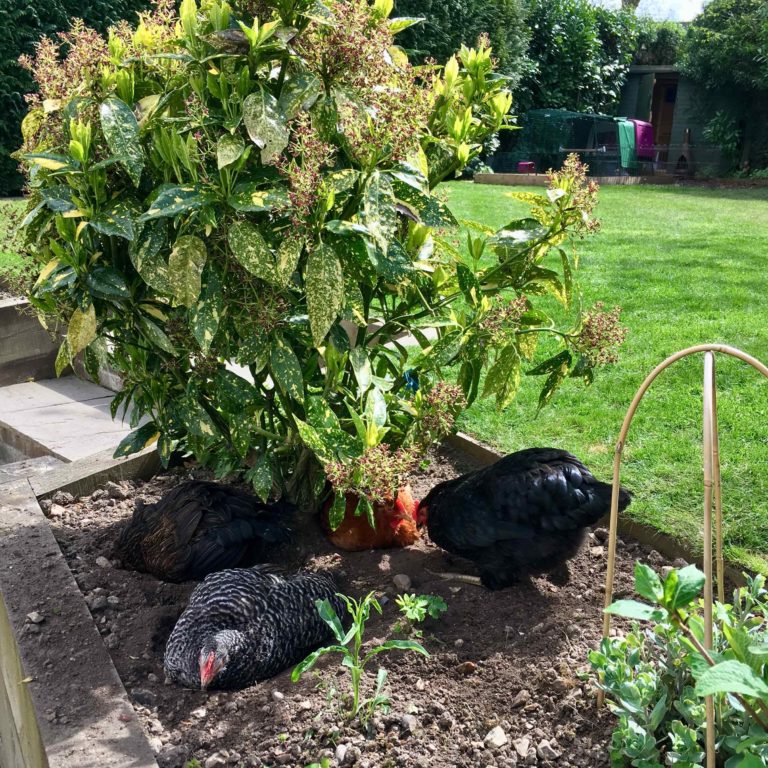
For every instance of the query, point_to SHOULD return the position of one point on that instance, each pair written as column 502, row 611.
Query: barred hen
column 524, row 514
column 201, row 527
column 247, row 624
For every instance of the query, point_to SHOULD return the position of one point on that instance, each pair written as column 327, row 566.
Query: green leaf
column 121, row 130
column 731, row 677
column 174, row 200
column 361, row 366
column 253, row 350
column 325, row 290
column 396, row 645
column 503, row 378
column 288, row 255
column 328, row 615
column 251, row 197
column 337, row 511
column 320, row 13
column 205, row 316
column 553, row 364
column 58, row 199
column 260, row 477
column 156, row 336
column 683, row 587
column 195, row 417
column 379, row 214
column 137, row 440
column 144, row 253
column 632, row 609
column 266, row 125
column 313, row 439
column 311, row 660
column 185, row 267
column 647, row 583
column 468, row 284
column 115, row 221
column 286, row 370
column 251, row 250
column 82, row 329
column 49, row 161
column 403, row 22
column 63, row 358
column 299, row 93
column 431, row 211
column 107, row 283
column 229, row 149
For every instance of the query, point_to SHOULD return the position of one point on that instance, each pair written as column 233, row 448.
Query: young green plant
column 350, row 646
column 656, row 679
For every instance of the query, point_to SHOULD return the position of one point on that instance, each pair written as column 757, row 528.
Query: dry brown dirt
column 515, row 658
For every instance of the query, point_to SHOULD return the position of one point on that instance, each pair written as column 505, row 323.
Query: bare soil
column 515, row 658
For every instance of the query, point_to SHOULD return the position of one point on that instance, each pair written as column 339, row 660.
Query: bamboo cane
column 708, row 422
column 720, row 562
column 613, row 527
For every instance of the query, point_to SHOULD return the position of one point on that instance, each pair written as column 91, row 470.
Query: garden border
column 27, row 542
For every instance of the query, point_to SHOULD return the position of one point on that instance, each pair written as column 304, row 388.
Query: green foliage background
column 23, row 24
column 726, row 52
column 449, row 25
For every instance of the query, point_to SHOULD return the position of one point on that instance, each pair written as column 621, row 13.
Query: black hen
column 201, row 527
column 524, row 514
column 247, row 624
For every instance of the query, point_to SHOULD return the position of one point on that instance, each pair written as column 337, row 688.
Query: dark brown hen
column 524, row 514
column 201, row 527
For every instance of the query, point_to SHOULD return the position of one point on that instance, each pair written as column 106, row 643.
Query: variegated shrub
column 234, row 207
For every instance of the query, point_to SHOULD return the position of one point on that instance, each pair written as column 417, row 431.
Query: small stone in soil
column 113, row 601
column 63, row 497
column 521, row 746
column 35, row 617
column 408, row 724
column 523, row 697
column 56, row 510
column 98, row 603
column 102, row 562
column 495, row 738
column 115, row 491
column 402, row 581
column 545, row 751
column 466, row 668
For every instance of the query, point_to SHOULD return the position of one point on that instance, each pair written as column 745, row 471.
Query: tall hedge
column 449, row 24
column 23, row 24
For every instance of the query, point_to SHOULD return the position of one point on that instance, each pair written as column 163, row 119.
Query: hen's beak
column 208, row 670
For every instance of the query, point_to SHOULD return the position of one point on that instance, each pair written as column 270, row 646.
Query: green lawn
column 10, row 261
column 687, row 266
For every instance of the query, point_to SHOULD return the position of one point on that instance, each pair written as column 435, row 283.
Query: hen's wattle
column 248, row 624
column 524, row 514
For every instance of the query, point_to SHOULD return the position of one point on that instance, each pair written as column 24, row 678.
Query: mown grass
column 687, row 267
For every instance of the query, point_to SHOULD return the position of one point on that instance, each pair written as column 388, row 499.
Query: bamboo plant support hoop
column 712, row 490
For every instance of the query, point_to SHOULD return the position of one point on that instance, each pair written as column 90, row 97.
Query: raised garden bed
column 511, row 658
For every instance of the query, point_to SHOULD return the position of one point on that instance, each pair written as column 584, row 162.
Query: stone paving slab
column 68, row 417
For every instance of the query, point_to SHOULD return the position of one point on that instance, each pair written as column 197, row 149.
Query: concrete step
column 28, row 468
column 66, row 418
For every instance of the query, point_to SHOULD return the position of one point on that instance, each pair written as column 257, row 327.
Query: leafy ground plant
column 350, row 646
column 416, row 608
column 656, row 677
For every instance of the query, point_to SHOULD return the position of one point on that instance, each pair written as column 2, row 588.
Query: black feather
column 524, row 514
column 200, row 527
